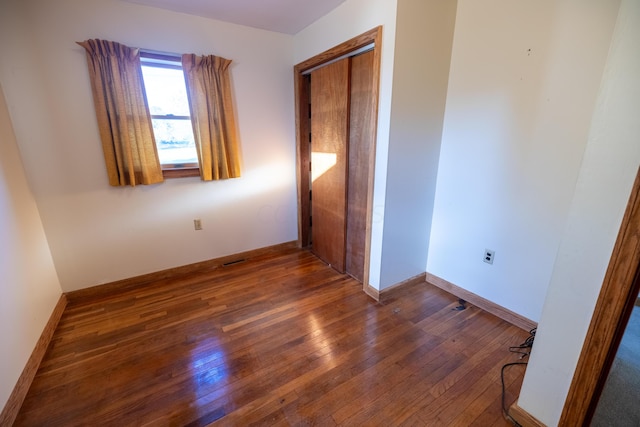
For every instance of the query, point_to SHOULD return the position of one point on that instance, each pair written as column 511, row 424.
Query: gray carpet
column 619, row 404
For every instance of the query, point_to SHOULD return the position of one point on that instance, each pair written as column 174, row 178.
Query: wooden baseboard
column 372, row 292
column 420, row 278
column 491, row 307
column 95, row 293
column 524, row 418
column 12, row 407
column 377, row 295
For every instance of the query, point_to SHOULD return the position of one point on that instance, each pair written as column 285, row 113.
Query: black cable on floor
column 505, row 410
column 528, row 343
column 523, row 350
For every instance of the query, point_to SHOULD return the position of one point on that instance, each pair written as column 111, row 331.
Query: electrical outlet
column 488, row 256
column 197, row 224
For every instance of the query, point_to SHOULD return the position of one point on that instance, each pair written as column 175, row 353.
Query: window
column 166, row 95
column 196, row 134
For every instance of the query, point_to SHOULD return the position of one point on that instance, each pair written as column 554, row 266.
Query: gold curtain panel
column 124, row 121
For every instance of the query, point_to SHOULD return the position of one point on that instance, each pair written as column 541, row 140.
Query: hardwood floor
column 280, row 340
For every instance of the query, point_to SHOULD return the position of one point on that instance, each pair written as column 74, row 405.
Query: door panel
column 360, row 150
column 329, row 161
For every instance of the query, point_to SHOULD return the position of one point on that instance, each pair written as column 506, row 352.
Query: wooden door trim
column 302, row 131
column 617, row 298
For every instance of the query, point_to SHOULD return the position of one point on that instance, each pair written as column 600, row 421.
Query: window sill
column 180, row 173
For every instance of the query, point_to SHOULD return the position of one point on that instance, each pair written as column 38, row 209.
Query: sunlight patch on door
column 321, row 163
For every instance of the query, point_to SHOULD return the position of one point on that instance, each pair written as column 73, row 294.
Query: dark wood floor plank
column 277, row 340
column 479, row 379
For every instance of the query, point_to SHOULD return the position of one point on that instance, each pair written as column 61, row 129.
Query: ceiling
column 283, row 16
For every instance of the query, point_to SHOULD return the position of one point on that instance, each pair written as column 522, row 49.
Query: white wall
column 29, row 287
column 424, row 37
column 608, row 170
column 98, row 233
column 523, row 82
column 348, row 20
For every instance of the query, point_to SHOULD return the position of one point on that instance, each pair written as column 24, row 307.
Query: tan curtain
column 124, row 120
column 212, row 115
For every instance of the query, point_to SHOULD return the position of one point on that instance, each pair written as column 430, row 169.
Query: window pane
column 174, row 139
column 166, row 91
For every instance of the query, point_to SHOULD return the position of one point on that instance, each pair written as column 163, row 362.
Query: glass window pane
column 166, row 91
column 174, row 139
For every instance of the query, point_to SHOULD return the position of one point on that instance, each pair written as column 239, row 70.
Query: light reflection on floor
column 323, row 343
column 209, row 366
